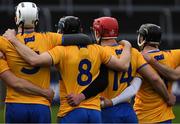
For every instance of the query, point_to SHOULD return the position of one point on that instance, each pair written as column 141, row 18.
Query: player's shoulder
column 93, row 46
column 4, row 40
column 166, row 51
column 174, row 50
column 171, row 52
column 48, row 33
column 135, row 51
column 57, row 48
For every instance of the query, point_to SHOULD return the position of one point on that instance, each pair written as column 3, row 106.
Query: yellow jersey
column 119, row 81
column 78, row 67
column 40, row 76
column 176, row 56
column 3, row 66
column 149, row 105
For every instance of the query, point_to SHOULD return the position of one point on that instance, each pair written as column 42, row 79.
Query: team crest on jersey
column 159, row 57
column 29, row 39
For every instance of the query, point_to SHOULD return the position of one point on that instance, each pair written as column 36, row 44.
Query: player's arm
column 29, row 55
column 127, row 94
column 165, row 71
column 25, row 86
column 123, row 63
column 76, row 39
column 156, row 82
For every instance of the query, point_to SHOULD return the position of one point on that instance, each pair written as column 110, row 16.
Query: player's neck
column 108, row 42
column 148, row 48
column 29, row 30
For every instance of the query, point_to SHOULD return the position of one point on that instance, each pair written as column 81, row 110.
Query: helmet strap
column 22, row 27
column 141, row 44
column 98, row 39
column 36, row 25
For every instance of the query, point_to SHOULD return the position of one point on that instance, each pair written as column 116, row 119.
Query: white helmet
column 27, row 13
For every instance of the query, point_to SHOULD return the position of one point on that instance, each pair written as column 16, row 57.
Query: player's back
column 118, row 81
column 79, row 66
column 39, row 42
column 149, row 105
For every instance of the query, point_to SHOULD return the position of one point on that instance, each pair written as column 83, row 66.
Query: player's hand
column 75, row 99
column 2, row 55
column 149, row 59
column 49, row 94
column 125, row 43
column 105, row 102
column 172, row 100
column 10, row 34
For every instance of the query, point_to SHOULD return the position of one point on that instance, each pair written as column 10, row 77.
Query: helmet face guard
column 60, row 26
column 140, row 41
column 150, row 33
column 97, row 35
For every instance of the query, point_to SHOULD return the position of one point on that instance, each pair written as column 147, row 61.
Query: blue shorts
column 121, row 113
column 81, row 115
column 27, row 113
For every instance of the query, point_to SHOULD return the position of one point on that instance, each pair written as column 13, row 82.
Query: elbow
column 154, row 80
column 174, row 77
column 17, row 85
column 34, row 62
column 124, row 67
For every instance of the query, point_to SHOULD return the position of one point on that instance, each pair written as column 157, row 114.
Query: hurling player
column 28, row 108
column 149, row 106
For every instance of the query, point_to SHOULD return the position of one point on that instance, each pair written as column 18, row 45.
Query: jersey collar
column 115, row 44
column 154, row 51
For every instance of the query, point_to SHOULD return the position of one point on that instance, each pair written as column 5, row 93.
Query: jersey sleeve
column 105, row 55
column 141, row 62
column 3, row 66
column 3, row 44
column 57, row 54
column 54, row 39
column 176, row 56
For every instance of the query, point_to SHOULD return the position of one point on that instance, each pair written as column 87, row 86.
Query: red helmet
column 106, row 27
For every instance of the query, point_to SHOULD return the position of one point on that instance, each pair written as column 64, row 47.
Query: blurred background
column 130, row 14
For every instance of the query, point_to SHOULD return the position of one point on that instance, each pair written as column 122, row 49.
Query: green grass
column 55, row 110
column 176, row 111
